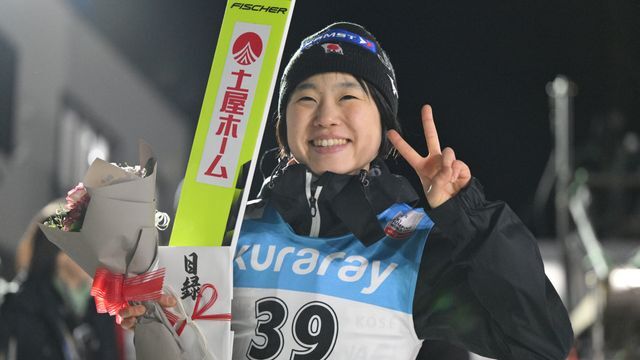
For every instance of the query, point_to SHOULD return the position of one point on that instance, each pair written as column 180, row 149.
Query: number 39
column 314, row 328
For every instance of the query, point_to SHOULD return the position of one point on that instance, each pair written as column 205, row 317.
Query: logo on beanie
column 247, row 48
column 331, row 48
column 333, row 35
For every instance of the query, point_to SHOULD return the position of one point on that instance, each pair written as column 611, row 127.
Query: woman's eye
column 348, row 97
column 306, row 98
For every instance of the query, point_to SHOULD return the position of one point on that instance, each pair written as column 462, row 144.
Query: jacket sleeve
column 482, row 284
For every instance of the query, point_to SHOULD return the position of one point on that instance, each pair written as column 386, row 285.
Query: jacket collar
column 344, row 203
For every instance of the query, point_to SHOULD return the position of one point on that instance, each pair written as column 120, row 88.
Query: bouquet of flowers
column 108, row 227
column 70, row 216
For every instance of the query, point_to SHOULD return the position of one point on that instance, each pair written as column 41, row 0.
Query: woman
column 334, row 262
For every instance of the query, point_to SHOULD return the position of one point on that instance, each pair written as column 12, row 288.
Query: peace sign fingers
column 441, row 174
column 425, row 166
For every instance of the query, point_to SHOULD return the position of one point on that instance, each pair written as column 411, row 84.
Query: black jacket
column 481, row 284
column 39, row 325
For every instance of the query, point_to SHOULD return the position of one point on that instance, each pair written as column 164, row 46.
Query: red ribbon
column 112, row 292
column 199, row 312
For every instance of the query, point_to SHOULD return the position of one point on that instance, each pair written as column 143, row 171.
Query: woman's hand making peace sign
column 442, row 176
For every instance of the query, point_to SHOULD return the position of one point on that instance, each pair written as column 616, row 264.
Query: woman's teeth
column 329, row 142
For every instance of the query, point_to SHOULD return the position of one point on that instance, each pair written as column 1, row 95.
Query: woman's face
column 333, row 124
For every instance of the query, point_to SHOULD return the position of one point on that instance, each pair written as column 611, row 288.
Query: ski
column 232, row 119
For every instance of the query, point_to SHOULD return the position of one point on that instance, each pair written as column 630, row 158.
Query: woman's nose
column 327, row 114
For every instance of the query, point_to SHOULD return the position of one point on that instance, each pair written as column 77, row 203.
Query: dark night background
column 483, row 66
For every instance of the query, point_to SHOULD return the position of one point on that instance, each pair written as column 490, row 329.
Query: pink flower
column 77, row 197
column 75, row 217
column 70, row 220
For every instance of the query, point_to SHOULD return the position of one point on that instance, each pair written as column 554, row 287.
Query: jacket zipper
column 312, row 199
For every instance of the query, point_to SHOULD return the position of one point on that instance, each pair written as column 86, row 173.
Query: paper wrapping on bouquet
column 201, row 280
column 118, row 241
column 118, row 232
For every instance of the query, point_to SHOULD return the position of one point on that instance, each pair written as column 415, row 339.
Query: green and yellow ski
column 232, row 119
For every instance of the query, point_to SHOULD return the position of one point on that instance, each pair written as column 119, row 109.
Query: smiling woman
column 334, row 261
column 445, row 275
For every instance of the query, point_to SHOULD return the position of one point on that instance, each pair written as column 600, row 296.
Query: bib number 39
column 314, row 329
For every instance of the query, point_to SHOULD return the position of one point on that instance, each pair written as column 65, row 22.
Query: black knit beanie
column 342, row 47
